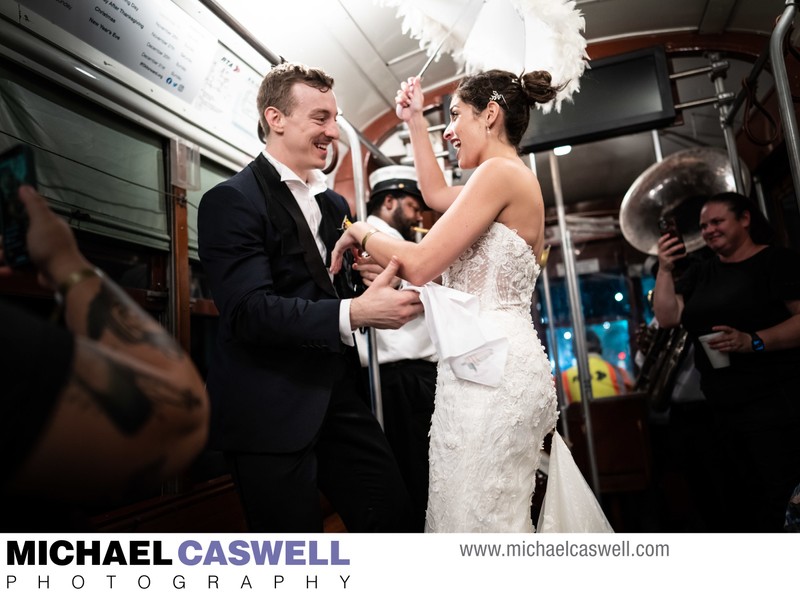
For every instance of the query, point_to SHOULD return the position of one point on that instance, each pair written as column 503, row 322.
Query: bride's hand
column 351, row 238
column 409, row 98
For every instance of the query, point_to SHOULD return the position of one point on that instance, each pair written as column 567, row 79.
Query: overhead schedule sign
column 155, row 39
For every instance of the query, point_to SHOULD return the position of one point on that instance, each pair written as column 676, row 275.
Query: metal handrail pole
column 785, row 102
column 552, row 332
column 718, row 78
column 758, row 66
column 551, row 325
column 576, row 310
column 760, row 199
column 376, row 396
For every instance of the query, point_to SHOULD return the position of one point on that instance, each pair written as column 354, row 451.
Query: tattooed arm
column 133, row 409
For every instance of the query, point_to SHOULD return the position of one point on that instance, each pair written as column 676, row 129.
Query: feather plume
column 515, row 35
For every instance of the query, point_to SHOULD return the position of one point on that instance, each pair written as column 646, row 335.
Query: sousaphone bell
column 675, row 187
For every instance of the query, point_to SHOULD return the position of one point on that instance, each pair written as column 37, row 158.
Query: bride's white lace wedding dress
column 486, row 441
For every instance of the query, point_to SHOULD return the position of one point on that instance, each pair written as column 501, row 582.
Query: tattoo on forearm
column 109, row 310
column 128, row 398
column 121, row 399
column 162, row 393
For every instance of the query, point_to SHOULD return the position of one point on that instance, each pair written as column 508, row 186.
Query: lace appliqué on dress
column 486, row 442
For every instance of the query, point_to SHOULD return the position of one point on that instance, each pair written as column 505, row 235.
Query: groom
column 284, row 379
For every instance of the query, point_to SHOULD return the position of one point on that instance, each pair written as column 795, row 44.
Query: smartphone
column 16, row 169
column 669, row 227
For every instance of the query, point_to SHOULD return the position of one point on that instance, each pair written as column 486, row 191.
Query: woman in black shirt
column 750, row 293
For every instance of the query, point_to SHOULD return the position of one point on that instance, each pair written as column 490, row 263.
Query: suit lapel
column 278, row 192
column 331, row 221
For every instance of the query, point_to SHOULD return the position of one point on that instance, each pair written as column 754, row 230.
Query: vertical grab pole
column 785, row 94
column 551, row 330
column 657, row 146
column 719, row 69
column 578, row 327
column 361, row 212
column 760, row 199
column 551, row 326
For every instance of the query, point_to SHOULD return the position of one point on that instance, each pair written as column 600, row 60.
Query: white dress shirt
column 304, row 193
column 412, row 341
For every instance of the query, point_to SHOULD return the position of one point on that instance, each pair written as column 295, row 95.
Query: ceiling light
column 85, row 72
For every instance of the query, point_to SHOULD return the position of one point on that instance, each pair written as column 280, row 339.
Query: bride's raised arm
column 487, row 193
column 435, row 191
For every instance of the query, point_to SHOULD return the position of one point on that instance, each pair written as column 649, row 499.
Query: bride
column 486, row 441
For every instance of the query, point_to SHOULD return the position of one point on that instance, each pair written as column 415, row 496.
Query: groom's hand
column 381, row 306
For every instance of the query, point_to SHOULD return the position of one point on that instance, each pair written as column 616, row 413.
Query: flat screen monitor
column 619, row 95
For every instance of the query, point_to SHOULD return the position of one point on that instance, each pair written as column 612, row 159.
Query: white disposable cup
column 718, row 358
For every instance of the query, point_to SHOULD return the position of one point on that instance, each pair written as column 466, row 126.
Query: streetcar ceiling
column 361, row 44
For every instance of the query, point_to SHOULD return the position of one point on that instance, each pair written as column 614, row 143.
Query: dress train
column 569, row 503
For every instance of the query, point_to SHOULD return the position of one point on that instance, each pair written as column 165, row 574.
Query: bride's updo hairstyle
column 514, row 94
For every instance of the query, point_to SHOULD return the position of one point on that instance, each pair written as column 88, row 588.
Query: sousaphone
column 675, row 187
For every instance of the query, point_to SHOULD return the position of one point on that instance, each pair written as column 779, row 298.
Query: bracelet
column 76, row 278
column 368, row 234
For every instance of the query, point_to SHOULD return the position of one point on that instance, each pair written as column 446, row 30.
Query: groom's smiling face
column 301, row 137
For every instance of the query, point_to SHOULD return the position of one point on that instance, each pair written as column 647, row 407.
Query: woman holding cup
column 742, row 307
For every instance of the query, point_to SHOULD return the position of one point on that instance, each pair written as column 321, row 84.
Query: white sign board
column 155, row 39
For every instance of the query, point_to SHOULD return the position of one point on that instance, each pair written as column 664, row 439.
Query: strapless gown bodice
column 486, row 441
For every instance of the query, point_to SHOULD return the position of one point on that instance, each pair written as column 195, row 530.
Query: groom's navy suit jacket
column 278, row 350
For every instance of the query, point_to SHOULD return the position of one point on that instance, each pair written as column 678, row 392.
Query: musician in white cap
column 407, row 357
column 396, row 200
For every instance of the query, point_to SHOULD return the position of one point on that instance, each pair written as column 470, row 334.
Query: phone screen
column 668, row 226
column 16, row 169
